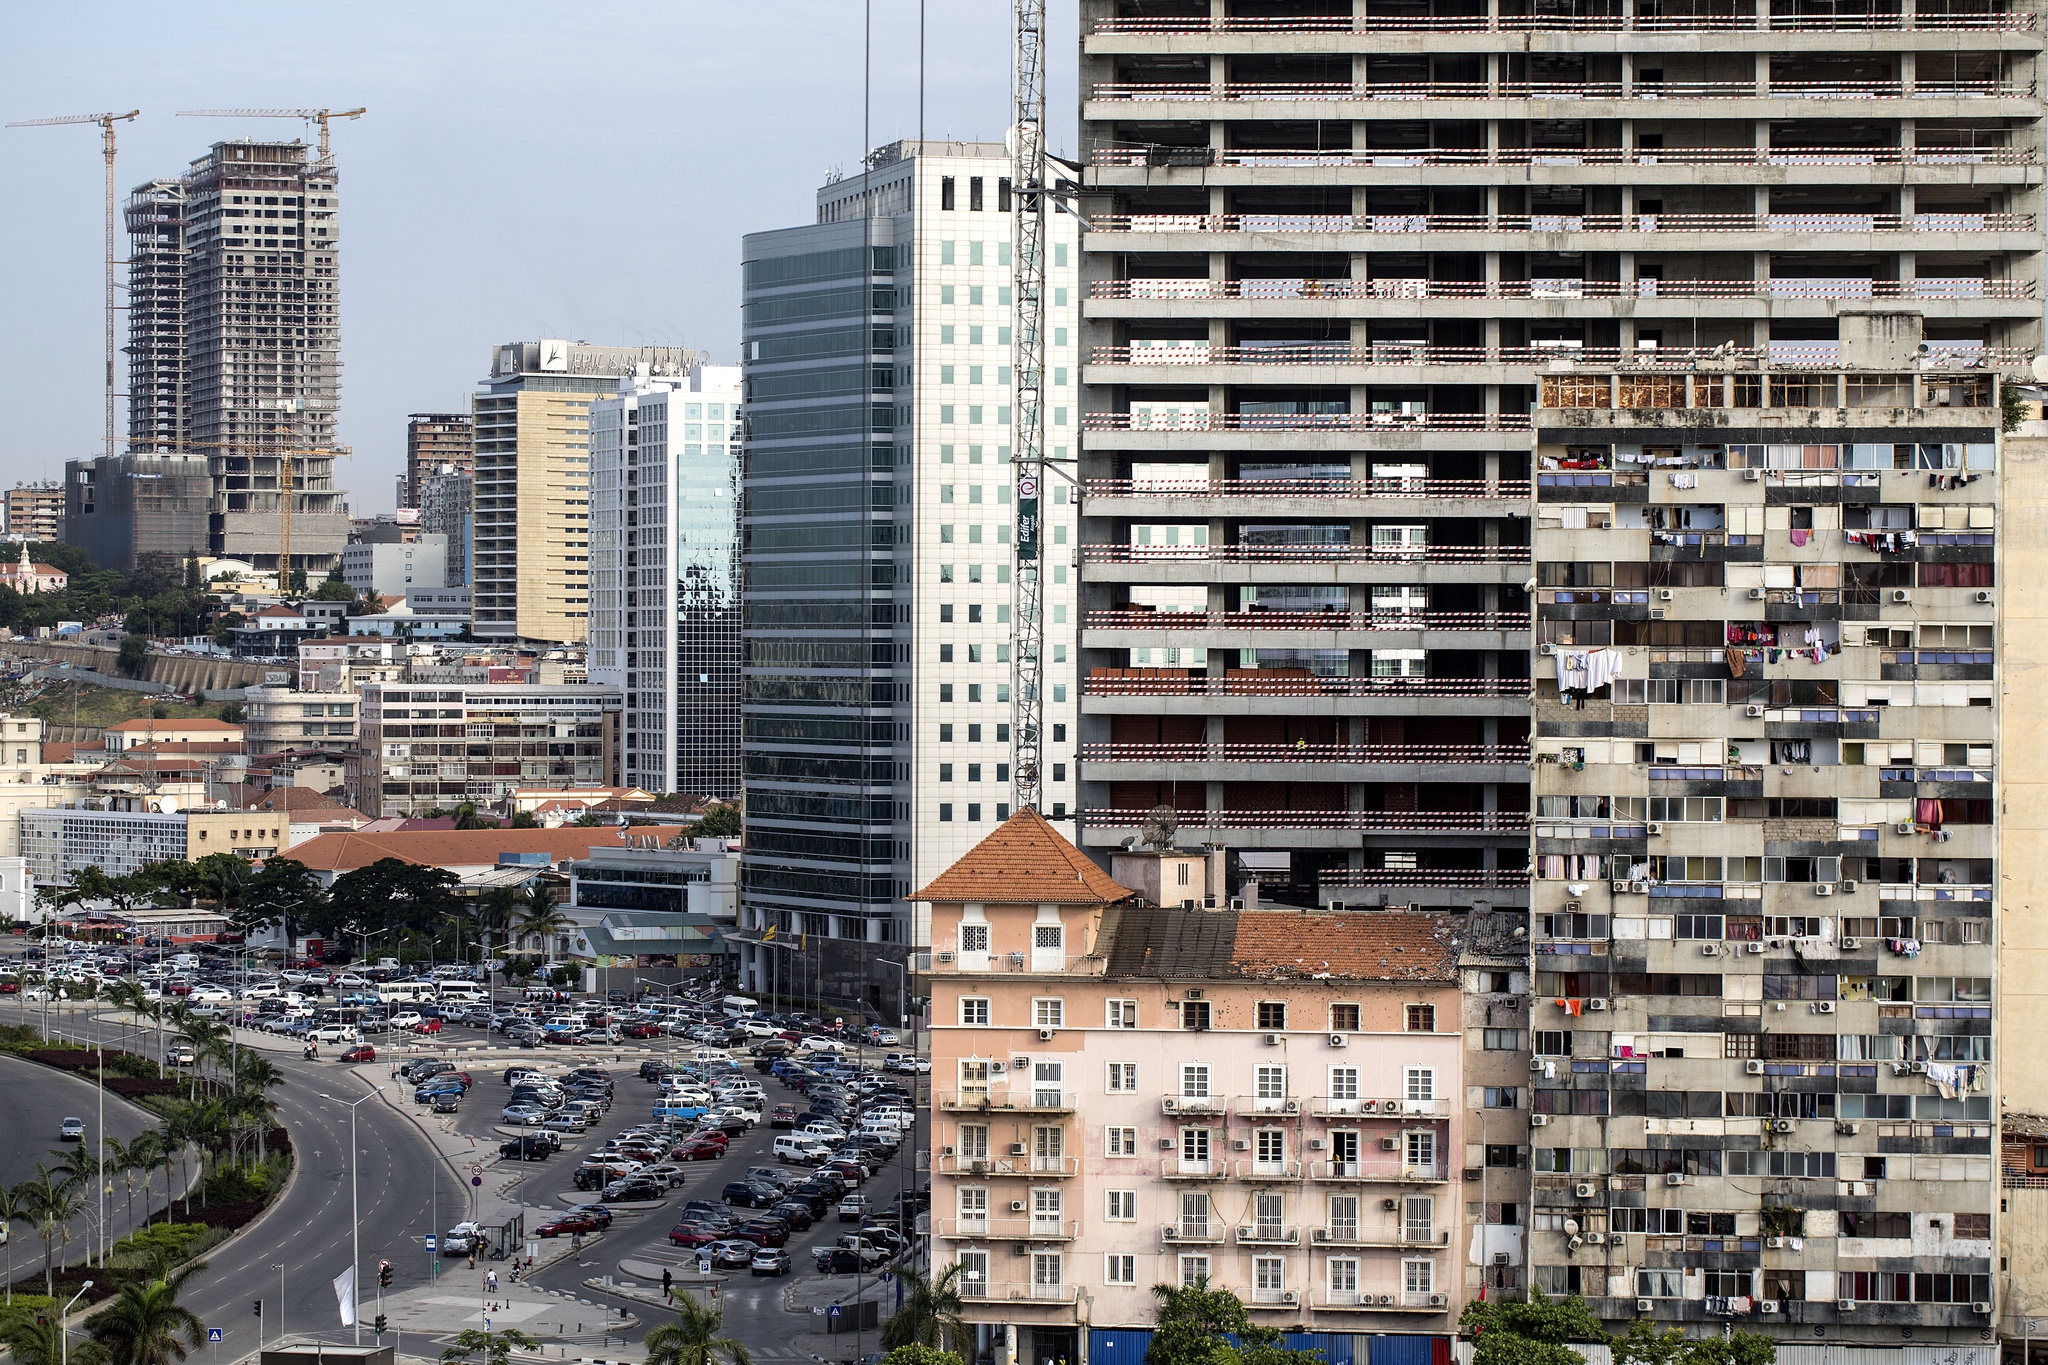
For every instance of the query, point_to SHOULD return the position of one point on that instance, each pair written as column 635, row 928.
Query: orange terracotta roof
column 303, row 801
column 1025, row 861
column 343, row 851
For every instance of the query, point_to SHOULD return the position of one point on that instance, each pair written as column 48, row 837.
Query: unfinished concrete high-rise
column 436, row 443
column 233, row 360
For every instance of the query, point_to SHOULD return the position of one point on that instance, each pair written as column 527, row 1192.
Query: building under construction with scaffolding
column 233, row 366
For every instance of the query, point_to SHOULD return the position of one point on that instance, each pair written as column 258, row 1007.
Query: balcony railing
column 1020, row 1292
column 1463, row 490
column 1422, row 353
column 1474, row 879
column 1212, row 1105
column 1026, row 1166
column 1402, row 288
column 1990, row 21
column 1401, row 157
column 1351, row 1235
column 1104, row 682
column 1021, row 1101
column 1331, row 1106
column 1024, row 1229
column 1390, row 821
column 1232, row 92
column 1305, row 554
column 1342, row 1171
column 1193, row 1168
column 1414, row 224
column 1253, row 1169
column 1202, row 419
column 1184, row 621
column 1267, row 1235
column 1304, row 753
column 1363, row 1301
column 1193, row 1230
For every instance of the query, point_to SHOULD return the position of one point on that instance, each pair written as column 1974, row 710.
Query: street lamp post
column 63, row 1330
column 355, row 1210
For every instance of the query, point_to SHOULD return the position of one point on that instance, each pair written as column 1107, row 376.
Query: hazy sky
column 526, row 170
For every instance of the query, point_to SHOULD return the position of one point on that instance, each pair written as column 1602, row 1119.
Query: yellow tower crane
column 318, row 117
column 106, row 123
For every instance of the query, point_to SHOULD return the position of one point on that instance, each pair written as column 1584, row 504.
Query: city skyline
column 431, row 278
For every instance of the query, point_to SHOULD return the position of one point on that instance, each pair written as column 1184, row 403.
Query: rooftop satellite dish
column 2040, row 368
column 168, row 805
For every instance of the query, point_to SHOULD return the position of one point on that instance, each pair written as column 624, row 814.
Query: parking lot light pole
column 355, row 1208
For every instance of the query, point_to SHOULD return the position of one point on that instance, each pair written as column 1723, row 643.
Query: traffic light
column 257, row 1308
column 380, row 1324
column 384, row 1274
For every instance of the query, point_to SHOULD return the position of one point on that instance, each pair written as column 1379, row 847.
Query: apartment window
column 1272, row 1014
column 1194, row 1014
column 945, row 654
column 1343, row 1217
column 1120, row 1206
column 1194, row 1271
column 1270, row 1082
column 974, row 194
column 1972, row 1227
column 1121, row 1014
column 1420, row 1083
column 1119, row 1269
column 1047, row 1269
column 945, row 731
column 1194, row 1080
column 945, row 810
column 1123, row 1078
column 1343, row 1082
column 1119, row 1142
column 1270, row 1146
column 1503, row 1097
column 1418, row 1278
column 1420, row 1148
column 974, row 1141
column 974, row 1009
column 973, row 1203
column 1045, row 937
column 1417, row 1219
column 1048, row 1012
column 945, row 192
column 1269, row 1278
column 1343, row 1279
column 974, row 938
column 1422, row 1018
column 1343, row 1018
column 945, row 772
column 1501, row 1039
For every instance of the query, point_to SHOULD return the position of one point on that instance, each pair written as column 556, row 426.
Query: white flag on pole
column 345, row 1295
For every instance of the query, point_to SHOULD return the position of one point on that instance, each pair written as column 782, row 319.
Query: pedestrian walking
column 576, row 1245
column 472, row 1258
column 491, row 1281
column 668, row 1282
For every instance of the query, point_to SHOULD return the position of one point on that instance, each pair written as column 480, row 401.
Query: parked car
column 691, row 1233
column 770, row 1261
column 568, row 1225
column 528, row 1148
column 635, row 1189
column 732, row 1254
column 462, row 1239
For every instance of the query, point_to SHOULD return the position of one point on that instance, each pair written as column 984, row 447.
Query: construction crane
column 1028, row 190
column 317, row 117
column 106, row 123
column 285, row 455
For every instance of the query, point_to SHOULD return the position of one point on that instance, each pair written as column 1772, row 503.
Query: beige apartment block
column 1127, row 1094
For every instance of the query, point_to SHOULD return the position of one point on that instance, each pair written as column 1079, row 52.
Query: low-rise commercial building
column 427, row 747
column 276, row 718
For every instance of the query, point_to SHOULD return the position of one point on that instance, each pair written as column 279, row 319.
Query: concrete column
column 1908, row 70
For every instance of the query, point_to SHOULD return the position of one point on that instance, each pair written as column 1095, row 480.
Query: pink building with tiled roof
column 1127, row 1094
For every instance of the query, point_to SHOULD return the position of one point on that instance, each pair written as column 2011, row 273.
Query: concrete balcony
column 1292, row 426
column 1187, row 1106
column 1351, row 1235
column 1193, row 1168
column 1312, row 828
column 1255, row 1170
column 1118, row 629
column 1209, row 1233
column 1349, row 754
column 1334, row 362
column 1632, row 165
column 1327, row 1106
column 1292, row 557
column 1362, row 1301
column 1018, row 1294
column 1009, row 1101
column 1009, row 1229
column 1158, row 499
column 1394, row 879
column 1334, row 29
column 1267, row 1235
column 1264, row 687
column 1022, row 1167
column 1669, row 96
column 1188, row 763
column 1358, row 1172
column 1403, row 290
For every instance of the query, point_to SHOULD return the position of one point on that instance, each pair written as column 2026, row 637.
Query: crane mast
column 1028, row 197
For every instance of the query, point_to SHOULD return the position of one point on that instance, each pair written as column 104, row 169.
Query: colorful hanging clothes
column 1927, row 811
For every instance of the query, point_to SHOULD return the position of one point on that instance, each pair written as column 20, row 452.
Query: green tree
column 495, row 1347
column 931, row 1312
column 524, row 820
column 696, row 1337
column 48, row 1204
column 468, row 817
column 1197, row 1325
column 540, row 917
column 334, row 590
column 221, row 878
column 1646, row 1344
column 721, row 821
column 917, row 1353
column 13, row 1209
column 283, row 894
column 134, row 652
column 590, row 819
column 234, row 713
column 38, row 1339
column 1531, row 1333
column 146, row 1325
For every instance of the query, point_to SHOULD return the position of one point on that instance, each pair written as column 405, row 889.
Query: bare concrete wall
column 176, row 672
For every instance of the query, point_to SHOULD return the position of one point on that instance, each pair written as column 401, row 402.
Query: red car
column 691, row 1235
column 642, row 1030
column 361, row 1052
column 428, row 1025
column 699, row 1149
column 10, row 988
column 568, row 1225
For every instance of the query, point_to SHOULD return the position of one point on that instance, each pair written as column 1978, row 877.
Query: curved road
column 41, row 1098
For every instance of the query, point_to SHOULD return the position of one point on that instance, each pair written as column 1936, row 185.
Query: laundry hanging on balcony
column 1587, row 670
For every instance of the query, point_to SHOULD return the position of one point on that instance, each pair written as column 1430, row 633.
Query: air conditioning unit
column 1847, row 1129
column 1756, row 594
column 1845, row 1305
column 1852, row 944
column 1596, row 1004
column 1619, row 887
column 1272, row 1040
column 1783, row 1126
column 1290, row 1106
column 1390, row 1144
column 1045, row 1035
column 1193, row 995
column 1389, row 1205
column 1386, row 1299
column 1501, row 1258
column 1650, row 1305
column 1539, row 1120
column 1752, row 1068
column 1674, row 1178
column 1019, row 1063
column 1019, row 1149
column 1535, row 1063
column 1017, row 1206
column 1774, row 1242
column 1984, row 597
column 1240, row 1144
column 945, row 957
column 1753, row 712
column 1166, row 1144
column 1766, row 1305
column 1847, row 888
column 1584, row 1189
column 1981, row 1306
column 1904, row 827
column 1546, row 649
column 1752, row 476
column 1443, row 1301
column 1823, row 888
column 1598, row 1239
column 1170, row 1232
column 1315, row 1144
column 1639, row 888
column 1919, row 1068
column 1319, row 1234
column 1653, row 828
column 1823, row 1007
column 1338, row 1040
column 1369, row 1106
column 979, row 1168
column 1289, row 1297
column 1574, row 907
column 1169, row 1105
column 1663, row 594
column 1710, row 950
column 1753, row 949
column 1901, row 595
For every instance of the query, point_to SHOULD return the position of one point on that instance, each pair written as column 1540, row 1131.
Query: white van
column 463, row 993
column 798, row 1147
column 740, row 1007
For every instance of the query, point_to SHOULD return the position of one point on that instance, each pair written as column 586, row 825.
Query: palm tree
column 540, row 916
column 146, row 1325
column 693, row 1338
column 495, row 912
column 124, row 1159
column 12, row 1211
column 49, row 1204
column 252, row 1096
column 38, row 1339
column 175, row 1135
column 466, row 817
column 931, row 1311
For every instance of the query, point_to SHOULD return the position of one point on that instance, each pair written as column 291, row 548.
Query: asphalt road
column 38, row 1100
